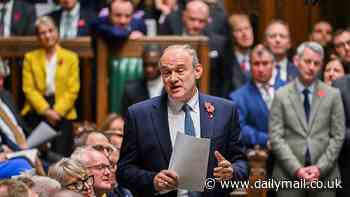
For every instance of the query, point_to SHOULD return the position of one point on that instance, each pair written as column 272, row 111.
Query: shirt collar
column 176, row 106
column 301, row 87
column 240, row 56
column 74, row 11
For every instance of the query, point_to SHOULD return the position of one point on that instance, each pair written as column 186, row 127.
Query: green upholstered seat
column 120, row 71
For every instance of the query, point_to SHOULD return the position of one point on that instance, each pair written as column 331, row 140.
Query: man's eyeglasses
column 104, row 167
column 81, row 185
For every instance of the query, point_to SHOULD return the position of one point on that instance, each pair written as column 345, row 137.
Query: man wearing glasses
column 341, row 42
column 102, row 169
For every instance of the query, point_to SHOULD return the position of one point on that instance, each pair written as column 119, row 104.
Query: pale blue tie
column 189, row 130
column 189, row 127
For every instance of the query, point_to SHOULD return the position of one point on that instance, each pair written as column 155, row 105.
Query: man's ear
column 296, row 60
column 198, row 71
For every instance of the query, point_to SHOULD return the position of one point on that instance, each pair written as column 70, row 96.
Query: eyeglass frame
column 83, row 181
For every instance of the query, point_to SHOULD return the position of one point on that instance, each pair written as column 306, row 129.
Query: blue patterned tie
column 189, row 130
column 189, row 127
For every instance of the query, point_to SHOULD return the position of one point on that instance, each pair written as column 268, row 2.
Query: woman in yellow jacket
column 51, row 85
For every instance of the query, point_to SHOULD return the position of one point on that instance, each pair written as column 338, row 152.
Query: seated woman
column 51, row 85
column 333, row 70
column 72, row 176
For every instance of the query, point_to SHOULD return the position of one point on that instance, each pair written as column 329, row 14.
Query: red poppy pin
column 60, row 62
column 210, row 109
column 81, row 23
column 17, row 16
column 321, row 93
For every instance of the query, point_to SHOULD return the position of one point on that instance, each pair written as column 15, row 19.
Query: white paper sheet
column 30, row 154
column 41, row 134
column 190, row 161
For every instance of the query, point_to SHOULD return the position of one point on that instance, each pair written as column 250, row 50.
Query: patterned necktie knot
column 189, row 127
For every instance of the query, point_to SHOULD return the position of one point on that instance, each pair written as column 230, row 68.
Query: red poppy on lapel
column 60, row 62
column 81, row 23
column 209, row 107
column 321, row 93
column 17, row 16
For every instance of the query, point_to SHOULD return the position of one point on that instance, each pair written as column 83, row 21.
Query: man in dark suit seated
column 119, row 24
column 238, row 73
column 151, row 128
column 72, row 20
column 16, row 18
column 150, row 85
column 344, row 158
column 277, row 39
column 217, row 24
column 12, row 132
column 195, row 19
column 254, row 99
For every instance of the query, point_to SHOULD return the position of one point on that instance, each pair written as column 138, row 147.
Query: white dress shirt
column 7, row 17
column 243, row 57
column 283, row 64
column 50, row 75
column 301, row 87
column 72, row 30
column 267, row 90
column 176, row 119
column 155, row 87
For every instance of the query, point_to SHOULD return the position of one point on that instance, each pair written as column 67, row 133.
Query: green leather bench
column 120, row 71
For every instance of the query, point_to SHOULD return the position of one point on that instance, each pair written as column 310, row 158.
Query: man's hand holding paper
column 165, row 180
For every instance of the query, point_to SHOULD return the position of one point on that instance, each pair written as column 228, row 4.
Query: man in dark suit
column 344, row 161
column 195, row 19
column 277, row 39
column 9, row 141
column 16, row 18
column 254, row 99
column 238, row 72
column 217, row 24
column 72, row 20
column 151, row 127
column 150, row 85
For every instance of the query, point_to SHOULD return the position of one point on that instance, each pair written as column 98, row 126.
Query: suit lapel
column 206, row 123
column 316, row 101
column 259, row 98
column 298, row 105
column 161, row 126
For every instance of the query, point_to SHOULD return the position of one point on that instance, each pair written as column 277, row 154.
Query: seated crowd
column 289, row 104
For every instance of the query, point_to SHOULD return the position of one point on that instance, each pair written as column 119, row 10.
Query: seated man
column 72, row 20
column 120, row 24
column 12, row 127
column 254, row 99
column 150, row 86
column 103, row 170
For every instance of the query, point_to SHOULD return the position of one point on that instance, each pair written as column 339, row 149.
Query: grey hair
column 314, row 46
column 65, row 169
column 44, row 185
column 188, row 49
column 84, row 155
